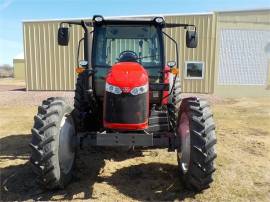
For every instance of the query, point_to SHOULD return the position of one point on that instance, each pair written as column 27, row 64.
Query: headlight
column 98, row 18
column 139, row 90
column 159, row 20
column 113, row 89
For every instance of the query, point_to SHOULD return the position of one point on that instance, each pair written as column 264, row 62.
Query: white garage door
column 243, row 59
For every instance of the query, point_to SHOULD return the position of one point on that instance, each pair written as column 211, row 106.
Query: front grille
column 126, row 108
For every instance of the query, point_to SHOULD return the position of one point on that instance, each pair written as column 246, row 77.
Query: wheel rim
column 184, row 132
column 66, row 150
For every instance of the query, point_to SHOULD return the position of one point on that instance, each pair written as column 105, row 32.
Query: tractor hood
column 127, row 109
column 127, row 74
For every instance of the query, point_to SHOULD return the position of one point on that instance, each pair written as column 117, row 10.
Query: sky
column 13, row 12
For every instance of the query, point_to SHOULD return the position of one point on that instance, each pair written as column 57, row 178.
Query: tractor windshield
column 112, row 40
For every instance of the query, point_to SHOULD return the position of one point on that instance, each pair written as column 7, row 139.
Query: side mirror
column 63, row 36
column 171, row 64
column 191, row 39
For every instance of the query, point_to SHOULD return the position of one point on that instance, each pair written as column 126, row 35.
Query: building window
column 194, row 70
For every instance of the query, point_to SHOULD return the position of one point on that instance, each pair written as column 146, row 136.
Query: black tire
column 202, row 140
column 45, row 159
column 86, row 111
column 81, row 107
column 174, row 102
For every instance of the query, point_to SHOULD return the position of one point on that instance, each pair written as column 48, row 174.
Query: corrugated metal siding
column 204, row 52
column 118, row 46
column 19, row 69
column 51, row 67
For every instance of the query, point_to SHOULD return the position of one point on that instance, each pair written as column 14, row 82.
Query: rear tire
column 81, row 107
column 86, row 110
column 53, row 144
column 174, row 101
column 196, row 155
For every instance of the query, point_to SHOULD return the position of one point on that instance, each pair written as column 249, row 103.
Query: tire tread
column 203, row 140
column 43, row 144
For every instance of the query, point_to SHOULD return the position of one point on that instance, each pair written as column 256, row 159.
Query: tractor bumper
column 128, row 139
column 124, row 139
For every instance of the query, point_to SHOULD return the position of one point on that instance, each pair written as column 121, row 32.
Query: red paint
column 166, row 80
column 127, row 75
column 123, row 127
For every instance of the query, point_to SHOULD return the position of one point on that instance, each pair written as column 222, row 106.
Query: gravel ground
column 35, row 98
column 104, row 174
column 17, row 95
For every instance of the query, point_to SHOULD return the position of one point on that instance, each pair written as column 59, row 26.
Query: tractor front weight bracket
column 164, row 140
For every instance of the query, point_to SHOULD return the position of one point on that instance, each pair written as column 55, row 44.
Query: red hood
column 127, row 74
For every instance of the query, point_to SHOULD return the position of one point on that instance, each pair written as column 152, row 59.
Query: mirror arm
column 185, row 26
column 78, row 51
column 176, row 48
column 84, row 26
column 87, row 24
column 173, row 25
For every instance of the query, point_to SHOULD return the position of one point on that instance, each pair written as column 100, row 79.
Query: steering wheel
column 128, row 56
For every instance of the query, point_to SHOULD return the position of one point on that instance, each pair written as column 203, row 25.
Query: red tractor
column 125, row 96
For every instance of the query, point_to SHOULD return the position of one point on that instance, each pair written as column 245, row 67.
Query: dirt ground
column 243, row 163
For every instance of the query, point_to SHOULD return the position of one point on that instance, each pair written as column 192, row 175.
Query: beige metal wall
column 19, row 69
column 244, row 20
column 51, row 67
column 204, row 52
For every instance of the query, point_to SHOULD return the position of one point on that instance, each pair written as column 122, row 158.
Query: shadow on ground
column 150, row 181
column 14, row 147
column 19, row 89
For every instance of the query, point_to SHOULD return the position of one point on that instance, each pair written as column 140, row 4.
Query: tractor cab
column 127, row 57
column 127, row 41
column 139, row 40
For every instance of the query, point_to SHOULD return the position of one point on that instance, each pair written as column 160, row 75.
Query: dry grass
column 11, row 81
column 6, row 72
column 243, row 163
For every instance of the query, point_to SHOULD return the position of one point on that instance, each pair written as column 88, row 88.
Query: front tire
column 196, row 131
column 53, row 143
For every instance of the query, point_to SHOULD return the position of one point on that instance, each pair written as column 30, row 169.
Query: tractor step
column 157, row 120
column 158, row 113
column 158, row 127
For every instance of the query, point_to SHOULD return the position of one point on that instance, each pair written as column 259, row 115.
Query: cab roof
column 98, row 20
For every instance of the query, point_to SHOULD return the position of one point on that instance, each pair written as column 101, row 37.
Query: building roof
column 19, row 56
column 151, row 15
column 113, row 17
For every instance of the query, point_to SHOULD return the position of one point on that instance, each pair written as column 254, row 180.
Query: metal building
column 19, row 67
column 231, row 58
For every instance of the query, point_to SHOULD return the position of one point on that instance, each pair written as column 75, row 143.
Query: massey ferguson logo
column 126, row 90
